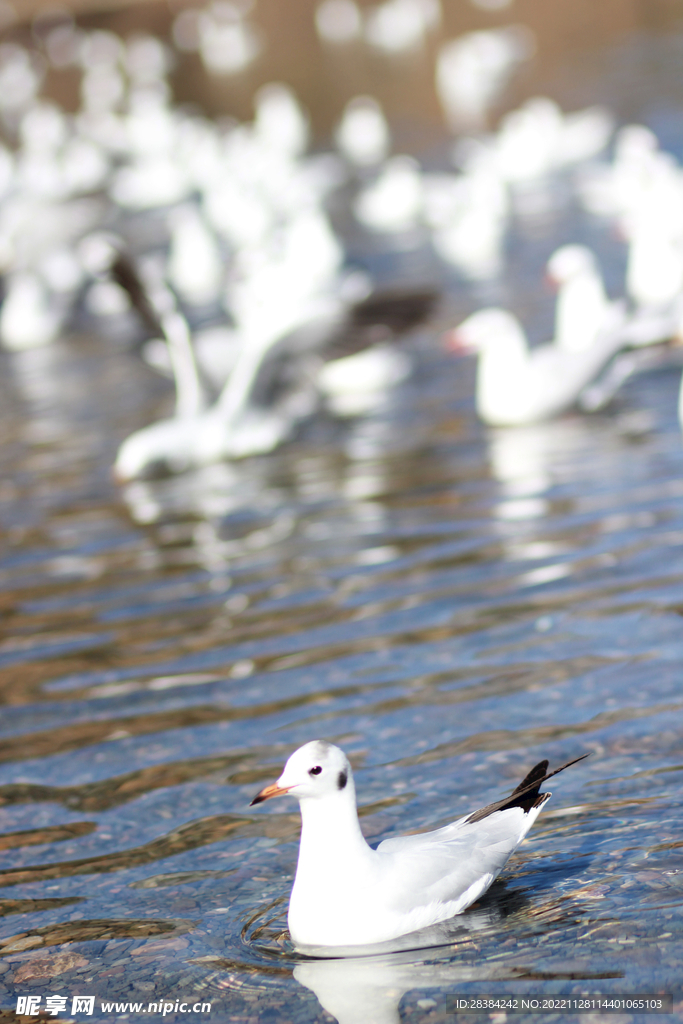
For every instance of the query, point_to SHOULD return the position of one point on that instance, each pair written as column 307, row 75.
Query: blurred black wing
column 291, row 362
column 379, row 317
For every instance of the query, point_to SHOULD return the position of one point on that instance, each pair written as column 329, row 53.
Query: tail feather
column 527, row 794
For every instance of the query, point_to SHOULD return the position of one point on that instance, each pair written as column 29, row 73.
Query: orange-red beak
column 272, row 790
column 453, row 341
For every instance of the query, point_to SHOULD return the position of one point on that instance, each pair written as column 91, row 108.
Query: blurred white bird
column 472, row 234
column 398, row 25
column 539, row 138
column 516, row 384
column 274, row 377
column 280, row 123
column 195, row 268
column 654, row 227
column 152, row 176
column 654, row 283
column 583, row 309
column 228, row 43
column 362, row 135
column 357, row 384
column 394, row 202
column 615, row 188
column 31, row 315
column 338, row 21
column 473, row 70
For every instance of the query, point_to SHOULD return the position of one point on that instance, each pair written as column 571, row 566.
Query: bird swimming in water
column 347, row 894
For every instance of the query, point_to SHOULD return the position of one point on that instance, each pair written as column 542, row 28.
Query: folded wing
column 462, row 859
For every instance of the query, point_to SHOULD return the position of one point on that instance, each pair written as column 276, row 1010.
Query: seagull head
column 570, row 261
column 485, row 329
column 316, row 770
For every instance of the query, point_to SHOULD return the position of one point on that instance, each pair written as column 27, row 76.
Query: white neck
column 501, row 376
column 326, row 898
column 331, row 823
column 331, row 839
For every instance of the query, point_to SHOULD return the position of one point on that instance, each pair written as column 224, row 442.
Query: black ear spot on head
column 342, row 779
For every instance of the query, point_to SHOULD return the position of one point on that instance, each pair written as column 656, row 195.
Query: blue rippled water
column 449, row 603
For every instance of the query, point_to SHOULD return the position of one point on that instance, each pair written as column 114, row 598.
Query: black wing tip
column 124, row 273
column 527, row 794
column 538, row 772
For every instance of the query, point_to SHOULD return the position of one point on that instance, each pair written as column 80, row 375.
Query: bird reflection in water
column 357, row 989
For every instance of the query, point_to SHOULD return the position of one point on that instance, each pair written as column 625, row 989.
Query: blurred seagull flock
column 213, row 245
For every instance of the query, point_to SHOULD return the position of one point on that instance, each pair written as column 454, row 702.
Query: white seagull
column 273, row 382
column 347, row 894
column 582, row 308
column 517, row 384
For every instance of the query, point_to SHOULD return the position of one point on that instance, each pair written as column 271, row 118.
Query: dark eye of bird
column 315, row 771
